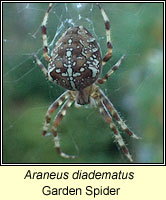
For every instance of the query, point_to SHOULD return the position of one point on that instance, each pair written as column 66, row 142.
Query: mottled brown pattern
column 83, row 44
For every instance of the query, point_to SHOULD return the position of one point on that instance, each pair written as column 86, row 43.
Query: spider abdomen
column 76, row 59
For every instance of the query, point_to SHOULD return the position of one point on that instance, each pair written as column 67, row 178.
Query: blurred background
column 136, row 89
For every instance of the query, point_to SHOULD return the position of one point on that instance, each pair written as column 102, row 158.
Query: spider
column 75, row 64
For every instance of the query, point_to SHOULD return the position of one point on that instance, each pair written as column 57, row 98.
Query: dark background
column 136, row 89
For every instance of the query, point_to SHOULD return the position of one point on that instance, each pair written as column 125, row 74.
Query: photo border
column 83, row 164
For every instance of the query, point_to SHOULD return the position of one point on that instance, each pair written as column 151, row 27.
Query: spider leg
column 107, row 117
column 56, row 122
column 40, row 64
column 111, row 71
column 51, row 109
column 44, row 33
column 108, row 35
column 109, row 106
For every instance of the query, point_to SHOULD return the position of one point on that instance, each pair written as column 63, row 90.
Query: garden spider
column 75, row 64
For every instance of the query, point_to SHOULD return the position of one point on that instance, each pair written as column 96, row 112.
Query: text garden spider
column 75, row 64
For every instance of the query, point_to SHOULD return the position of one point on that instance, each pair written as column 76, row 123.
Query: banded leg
column 40, row 64
column 111, row 71
column 58, row 102
column 44, row 33
column 108, row 35
column 109, row 106
column 104, row 112
column 56, row 122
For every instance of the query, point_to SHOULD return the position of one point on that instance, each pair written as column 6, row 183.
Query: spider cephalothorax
column 75, row 63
